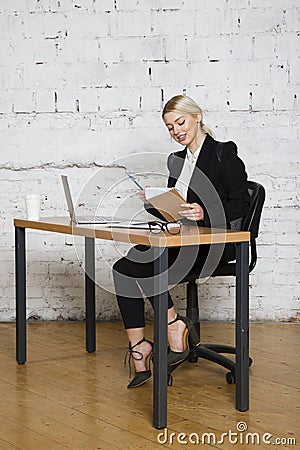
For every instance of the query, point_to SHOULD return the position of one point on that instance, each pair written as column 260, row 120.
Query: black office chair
column 213, row 352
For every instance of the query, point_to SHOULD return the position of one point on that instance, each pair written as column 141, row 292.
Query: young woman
column 212, row 178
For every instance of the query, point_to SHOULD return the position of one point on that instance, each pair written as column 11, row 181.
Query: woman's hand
column 141, row 194
column 193, row 211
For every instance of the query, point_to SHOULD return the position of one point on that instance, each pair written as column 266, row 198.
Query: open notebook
column 167, row 201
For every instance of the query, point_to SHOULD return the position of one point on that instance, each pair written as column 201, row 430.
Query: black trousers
column 134, row 274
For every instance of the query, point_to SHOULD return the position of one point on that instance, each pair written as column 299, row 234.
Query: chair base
column 213, row 353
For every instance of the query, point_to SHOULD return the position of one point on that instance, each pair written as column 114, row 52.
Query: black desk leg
column 90, row 310
column 242, row 326
column 160, row 338
column 20, row 269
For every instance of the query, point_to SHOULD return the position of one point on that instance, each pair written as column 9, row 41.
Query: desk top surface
column 188, row 236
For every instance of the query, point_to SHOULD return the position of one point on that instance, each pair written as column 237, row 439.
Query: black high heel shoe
column 143, row 376
column 190, row 338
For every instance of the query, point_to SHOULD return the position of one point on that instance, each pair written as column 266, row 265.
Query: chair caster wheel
column 250, row 361
column 193, row 356
column 170, row 380
column 230, row 377
column 193, row 359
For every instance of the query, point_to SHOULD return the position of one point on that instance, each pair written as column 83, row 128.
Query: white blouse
column 185, row 176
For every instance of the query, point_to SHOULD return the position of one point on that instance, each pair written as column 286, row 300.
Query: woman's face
column 183, row 128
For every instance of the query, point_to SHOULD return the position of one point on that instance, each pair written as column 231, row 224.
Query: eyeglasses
column 170, row 227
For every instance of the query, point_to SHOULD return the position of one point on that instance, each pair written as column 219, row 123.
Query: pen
column 134, row 180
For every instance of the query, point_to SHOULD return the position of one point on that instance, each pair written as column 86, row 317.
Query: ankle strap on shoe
column 131, row 347
column 134, row 354
column 174, row 320
column 131, row 352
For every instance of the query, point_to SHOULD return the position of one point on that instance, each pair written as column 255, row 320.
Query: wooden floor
column 65, row 398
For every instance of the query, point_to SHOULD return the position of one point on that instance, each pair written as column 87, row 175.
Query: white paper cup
column 33, row 206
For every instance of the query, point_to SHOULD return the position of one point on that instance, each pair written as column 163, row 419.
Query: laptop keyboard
column 91, row 219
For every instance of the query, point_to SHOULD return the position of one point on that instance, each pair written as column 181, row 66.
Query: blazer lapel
column 176, row 165
column 201, row 164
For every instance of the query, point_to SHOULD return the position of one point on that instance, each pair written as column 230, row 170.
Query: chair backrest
column 249, row 223
column 252, row 218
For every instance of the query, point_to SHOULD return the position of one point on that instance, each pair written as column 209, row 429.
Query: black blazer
column 218, row 183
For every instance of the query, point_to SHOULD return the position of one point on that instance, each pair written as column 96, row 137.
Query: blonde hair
column 184, row 104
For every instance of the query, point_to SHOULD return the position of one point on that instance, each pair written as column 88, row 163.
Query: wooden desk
column 188, row 236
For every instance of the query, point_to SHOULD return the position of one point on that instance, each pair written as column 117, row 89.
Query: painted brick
column 109, row 99
column 84, row 4
column 88, row 100
column 47, row 26
column 294, row 67
column 286, row 44
column 160, row 74
column 23, row 100
column 43, row 75
column 207, row 74
column 153, row 49
column 199, row 93
column 249, row 73
column 215, row 100
column 151, row 99
column 129, row 99
column 262, row 20
column 241, row 47
column 6, row 101
column 122, row 74
column 286, row 238
column 272, row 3
column 196, row 48
column 110, row 49
column 126, row 5
column 218, row 20
column 172, row 23
column 286, row 99
column 10, row 26
column 287, row 252
column 292, row 17
column 125, row 49
column 131, row 24
column 82, row 50
column 12, row 6
column 44, row 100
column 145, row 5
column 262, row 98
column 264, row 46
column 176, row 48
column 47, row 6
column 239, row 99
column 11, row 77
column 171, row 4
column 218, row 48
column 85, row 74
column 279, row 73
column 82, row 24
column 65, row 100
column 104, row 5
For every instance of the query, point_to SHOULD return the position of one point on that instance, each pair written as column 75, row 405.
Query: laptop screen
column 71, row 209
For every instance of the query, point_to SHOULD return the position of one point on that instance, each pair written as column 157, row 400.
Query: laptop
column 82, row 219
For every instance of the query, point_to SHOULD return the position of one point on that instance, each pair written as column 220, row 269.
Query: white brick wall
column 81, row 89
